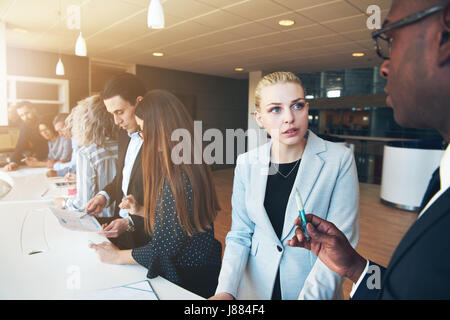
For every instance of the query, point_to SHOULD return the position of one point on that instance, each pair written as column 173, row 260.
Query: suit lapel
column 308, row 172
column 440, row 207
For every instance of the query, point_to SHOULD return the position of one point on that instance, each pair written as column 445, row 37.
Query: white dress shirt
column 444, row 174
column 132, row 151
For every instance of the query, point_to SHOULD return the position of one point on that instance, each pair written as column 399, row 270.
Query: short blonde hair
column 90, row 122
column 274, row 78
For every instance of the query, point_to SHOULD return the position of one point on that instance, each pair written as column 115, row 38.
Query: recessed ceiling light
column 358, row 54
column 239, row 69
column 20, row 30
column 286, row 23
column 158, row 54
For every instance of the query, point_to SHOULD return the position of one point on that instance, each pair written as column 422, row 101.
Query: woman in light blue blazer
column 257, row 262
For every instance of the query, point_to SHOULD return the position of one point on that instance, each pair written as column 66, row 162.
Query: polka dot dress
column 171, row 253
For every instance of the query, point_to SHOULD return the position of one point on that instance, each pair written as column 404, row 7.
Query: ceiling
column 203, row 36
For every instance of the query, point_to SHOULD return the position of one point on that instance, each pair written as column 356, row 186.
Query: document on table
column 72, row 220
column 141, row 290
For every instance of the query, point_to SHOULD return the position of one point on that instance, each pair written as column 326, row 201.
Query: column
column 3, row 89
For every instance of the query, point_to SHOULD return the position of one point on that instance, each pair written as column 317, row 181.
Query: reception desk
column 407, row 170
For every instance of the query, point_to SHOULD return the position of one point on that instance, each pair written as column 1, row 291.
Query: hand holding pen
column 95, row 205
column 330, row 245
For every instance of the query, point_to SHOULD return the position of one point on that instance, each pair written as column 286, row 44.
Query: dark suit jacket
column 30, row 140
column 135, row 186
column 420, row 266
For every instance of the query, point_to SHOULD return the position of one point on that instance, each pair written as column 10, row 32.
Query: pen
column 44, row 193
column 301, row 211
column 87, row 212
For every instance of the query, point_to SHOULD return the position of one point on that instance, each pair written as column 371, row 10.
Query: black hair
column 126, row 85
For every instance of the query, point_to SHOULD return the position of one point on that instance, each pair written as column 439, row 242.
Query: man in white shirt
column 121, row 95
column 415, row 44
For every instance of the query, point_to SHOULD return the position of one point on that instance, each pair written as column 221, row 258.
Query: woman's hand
column 129, row 203
column 50, row 163
column 222, row 296
column 107, row 252
column 70, row 177
column 32, row 162
column 51, row 174
column 59, row 203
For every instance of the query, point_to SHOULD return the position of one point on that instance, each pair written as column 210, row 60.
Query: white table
column 66, row 267
column 31, row 185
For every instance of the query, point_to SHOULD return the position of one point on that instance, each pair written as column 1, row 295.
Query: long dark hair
column 162, row 113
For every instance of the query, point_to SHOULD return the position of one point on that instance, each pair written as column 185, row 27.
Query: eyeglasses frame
column 415, row 17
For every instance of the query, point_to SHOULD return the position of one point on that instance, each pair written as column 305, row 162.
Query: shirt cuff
column 361, row 277
column 103, row 193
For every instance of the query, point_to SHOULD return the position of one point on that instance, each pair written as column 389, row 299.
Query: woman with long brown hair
column 180, row 203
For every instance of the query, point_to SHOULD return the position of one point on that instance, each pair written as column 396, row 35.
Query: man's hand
column 330, row 245
column 10, row 167
column 96, row 205
column 115, row 228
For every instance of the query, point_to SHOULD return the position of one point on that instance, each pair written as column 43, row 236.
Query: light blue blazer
column 328, row 184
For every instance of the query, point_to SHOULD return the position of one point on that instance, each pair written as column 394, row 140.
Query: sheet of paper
column 72, row 220
column 135, row 291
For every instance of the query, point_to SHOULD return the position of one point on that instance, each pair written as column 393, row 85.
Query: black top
column 278, row 189
column 190, row 262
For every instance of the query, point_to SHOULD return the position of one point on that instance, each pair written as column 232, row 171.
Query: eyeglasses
column 383, row 41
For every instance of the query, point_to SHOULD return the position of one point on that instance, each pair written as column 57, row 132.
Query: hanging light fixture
column 80, row 46
column 59, row 68
column 59, row 64
column 155, row 15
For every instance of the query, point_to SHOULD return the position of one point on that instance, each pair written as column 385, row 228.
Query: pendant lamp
column 80, row 46
column 59, row 68
column 155, row 15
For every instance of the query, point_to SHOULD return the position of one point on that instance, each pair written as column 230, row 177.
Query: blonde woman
column 94, row 131
column 257, row 262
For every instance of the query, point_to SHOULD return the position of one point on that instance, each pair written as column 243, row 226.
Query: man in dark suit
column 31, row 142
column 121, row 95
column 415, row 44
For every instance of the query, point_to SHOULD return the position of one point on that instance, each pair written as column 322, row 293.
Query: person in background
column 180, row 204
column 61, row 169
column 257, row 264
column 121, row 95
column 415, row 45
column 59, row 148
column 93, row 129
column 30, row 142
